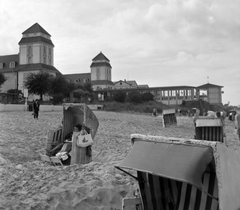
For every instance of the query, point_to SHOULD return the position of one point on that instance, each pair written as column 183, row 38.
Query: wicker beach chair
column 210, row 129
column 183, row 174
column 73, row 114
column 169, row 117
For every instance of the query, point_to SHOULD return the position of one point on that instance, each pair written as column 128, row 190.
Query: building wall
column 37, row 54
column 214, row 95
column 121, row 85
column 101, row 73
column 23, row 54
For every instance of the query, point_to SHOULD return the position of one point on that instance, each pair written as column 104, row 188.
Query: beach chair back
column 169, row 117
column 210, row 129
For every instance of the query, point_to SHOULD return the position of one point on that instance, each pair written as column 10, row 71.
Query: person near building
column 36, row 106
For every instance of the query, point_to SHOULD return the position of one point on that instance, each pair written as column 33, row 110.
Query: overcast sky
column 159, row 43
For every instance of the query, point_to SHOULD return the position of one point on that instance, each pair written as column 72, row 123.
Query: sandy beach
column 28, row 183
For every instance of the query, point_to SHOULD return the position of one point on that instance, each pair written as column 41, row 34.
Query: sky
column 154, row 42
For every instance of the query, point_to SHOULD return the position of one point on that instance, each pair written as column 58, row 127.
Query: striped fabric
column 159, row 193
column 210, row 133
column 54, row 137
column 57, row 136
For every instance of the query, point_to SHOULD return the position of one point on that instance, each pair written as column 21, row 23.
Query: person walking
column 237, row 124
column 36, row 106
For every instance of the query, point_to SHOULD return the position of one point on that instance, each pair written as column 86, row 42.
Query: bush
column 147, row 97
column 119, row 97
column 135, row 97
column 132, row 107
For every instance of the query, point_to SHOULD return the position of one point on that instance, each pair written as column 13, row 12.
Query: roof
column 77, row 75
column 101, row 82
column 100, row 56
column 208, row 85
column 132, row 82
column 37, row 66
column 156, row 157
column 100, row 64
column 123, row 82
column 143, row 86
column 6, row 59
column 36, row 28
column 35, row 39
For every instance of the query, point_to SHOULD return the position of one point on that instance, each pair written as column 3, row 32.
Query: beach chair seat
column 45, row 158
column 56, row 161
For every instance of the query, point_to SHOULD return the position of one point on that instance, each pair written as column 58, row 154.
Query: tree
column 38, row 83
column 119, row 97
column 147, row 97
column 58, row 85
column 134, row 97
column 2, row 79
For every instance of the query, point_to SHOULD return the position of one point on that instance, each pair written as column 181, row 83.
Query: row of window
column 79, row 80
column 44, row 51
column 11, row 65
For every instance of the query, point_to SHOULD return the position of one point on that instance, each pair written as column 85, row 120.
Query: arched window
column 12, row 64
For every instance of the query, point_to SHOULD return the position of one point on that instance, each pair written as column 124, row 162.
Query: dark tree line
column 58, row 87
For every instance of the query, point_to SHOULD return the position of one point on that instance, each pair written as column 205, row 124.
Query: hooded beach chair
column 74, row 114
column 169, row 117
column 210, row 129
column 184, row 174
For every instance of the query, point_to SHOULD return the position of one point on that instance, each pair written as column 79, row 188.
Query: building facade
column 36, row 54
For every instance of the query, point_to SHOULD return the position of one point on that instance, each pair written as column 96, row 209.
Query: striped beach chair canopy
column 184, row 174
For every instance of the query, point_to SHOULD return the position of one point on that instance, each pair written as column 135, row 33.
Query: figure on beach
column 154, row 112
column 36, row 106
column 63, row 151
column 237, row 124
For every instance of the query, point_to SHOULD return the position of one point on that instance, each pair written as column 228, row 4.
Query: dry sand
column 27, row 183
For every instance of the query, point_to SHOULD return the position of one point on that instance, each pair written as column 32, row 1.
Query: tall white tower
column 36, row 46
column 101, row 75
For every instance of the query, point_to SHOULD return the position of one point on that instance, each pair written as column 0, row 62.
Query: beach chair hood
column 186, row 161
column 79, row 114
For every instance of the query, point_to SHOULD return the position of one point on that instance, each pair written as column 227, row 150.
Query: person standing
column 237, row 124
column 36, row 106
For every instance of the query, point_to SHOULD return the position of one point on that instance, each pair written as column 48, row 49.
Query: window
column 98, row 73
column 44, row 50
column 1, row 65
column 50, row 61
column 12, row 64
column 49, row 52
column 174, row 93
column 44, row 60
column 29, row 50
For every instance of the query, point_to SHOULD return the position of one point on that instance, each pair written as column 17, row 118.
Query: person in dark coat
column 36, row 106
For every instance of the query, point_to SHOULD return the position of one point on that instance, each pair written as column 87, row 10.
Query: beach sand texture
column 28, row 183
